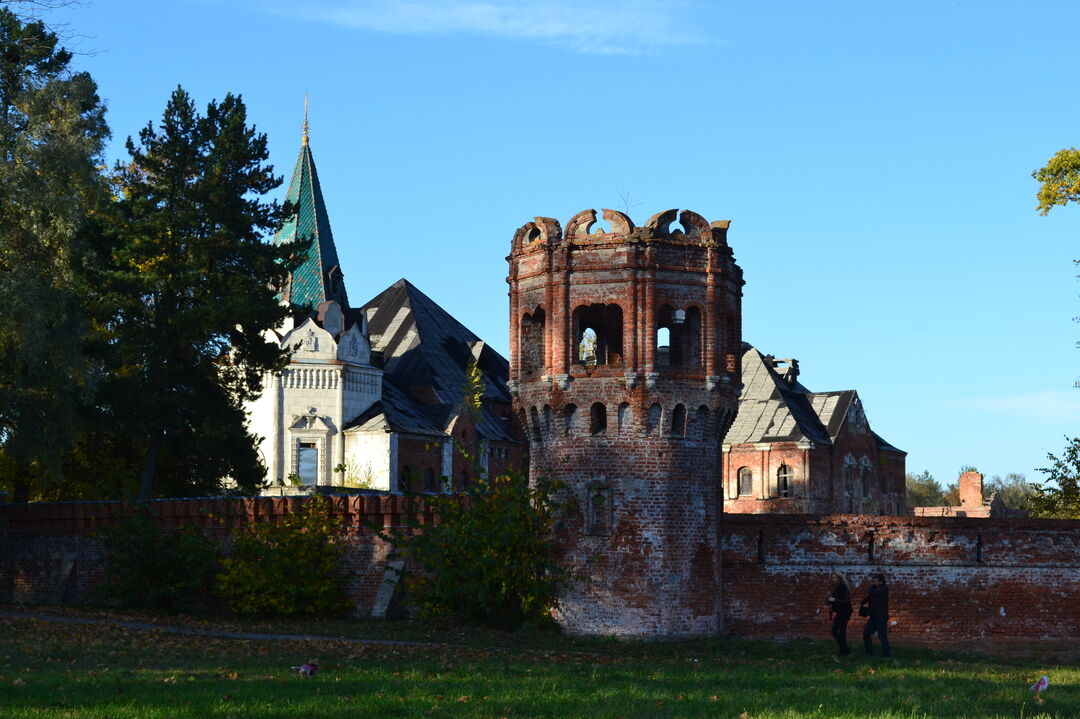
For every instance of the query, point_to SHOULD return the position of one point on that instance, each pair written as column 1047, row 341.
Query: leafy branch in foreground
column 287, row 568
column 489, row 556
column 1059, row 495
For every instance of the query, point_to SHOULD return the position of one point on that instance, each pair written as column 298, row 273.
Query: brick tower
column 623, row 368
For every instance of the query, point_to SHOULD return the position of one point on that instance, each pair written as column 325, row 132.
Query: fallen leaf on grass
column 744, row 715
column 18, row 683
column 714, row 698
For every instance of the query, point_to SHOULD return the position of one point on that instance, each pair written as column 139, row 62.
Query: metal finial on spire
column 304, row 141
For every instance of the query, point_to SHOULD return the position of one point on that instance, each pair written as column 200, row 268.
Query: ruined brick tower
column 624, row 370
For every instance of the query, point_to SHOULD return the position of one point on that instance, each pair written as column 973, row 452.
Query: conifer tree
column 52, row 130
column 195, row 288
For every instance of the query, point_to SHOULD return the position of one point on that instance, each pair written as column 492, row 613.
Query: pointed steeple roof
column 319, row 277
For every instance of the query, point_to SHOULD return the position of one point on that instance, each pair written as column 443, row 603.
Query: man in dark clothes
column 840, row 608
column 877, row 602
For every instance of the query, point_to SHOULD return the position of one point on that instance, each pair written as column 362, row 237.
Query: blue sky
column 874, row 160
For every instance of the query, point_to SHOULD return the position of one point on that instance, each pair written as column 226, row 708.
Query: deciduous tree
column 923, row 490
column 1013, row 489
column 52, row 129
column 1058, row 497
column 1059, row 180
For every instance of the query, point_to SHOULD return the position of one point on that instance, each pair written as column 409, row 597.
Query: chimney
column 971, row 489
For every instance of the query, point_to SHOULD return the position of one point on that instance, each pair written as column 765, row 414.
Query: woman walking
column 840, row 608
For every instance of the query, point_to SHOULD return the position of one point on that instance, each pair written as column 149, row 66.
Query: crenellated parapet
column 669, row 226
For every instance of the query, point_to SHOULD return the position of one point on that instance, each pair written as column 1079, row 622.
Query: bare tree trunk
column 149, row 470
column 20, row 492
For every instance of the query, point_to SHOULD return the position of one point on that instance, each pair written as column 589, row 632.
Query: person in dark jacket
column 877, row 603
column 840, row 608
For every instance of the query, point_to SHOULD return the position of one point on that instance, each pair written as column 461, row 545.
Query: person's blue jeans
column 881, row 626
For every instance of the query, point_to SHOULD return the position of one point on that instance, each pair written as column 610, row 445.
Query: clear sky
column 874, row 159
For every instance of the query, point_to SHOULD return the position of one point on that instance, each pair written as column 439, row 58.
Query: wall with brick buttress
column 950, row 578
column 50, row 554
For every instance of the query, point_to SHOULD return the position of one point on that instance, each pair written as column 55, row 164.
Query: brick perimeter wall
column 50, row 554
column 950, row 579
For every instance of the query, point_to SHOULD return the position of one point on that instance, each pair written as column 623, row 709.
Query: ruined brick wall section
column 631, row 426
column 950, row 579
column 51, row 553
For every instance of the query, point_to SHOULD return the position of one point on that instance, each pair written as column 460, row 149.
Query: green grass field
column 52, row 670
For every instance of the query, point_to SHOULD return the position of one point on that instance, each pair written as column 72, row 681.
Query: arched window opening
column 598, row 334
column 569, row 418
column 746, row 482
column 866, row 474
column 624, row 417
column 663, row 346
column 784, row 478
column 531, row 342
column 669, row 326
column 534, row 424
column 701, row 422
column 430, row 484
column 597, row 419
column 849, row 475
column 464, row 481
column 652, row 422
column 406, row 480
column 678, row 421
column 547, row 420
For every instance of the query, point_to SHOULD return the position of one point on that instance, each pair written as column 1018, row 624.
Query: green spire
column 319, row 278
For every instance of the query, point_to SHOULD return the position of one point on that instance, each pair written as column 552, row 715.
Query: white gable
column 353, row 347
column 310, row 342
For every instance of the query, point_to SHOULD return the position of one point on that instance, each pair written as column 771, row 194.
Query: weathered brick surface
column 950, row 579
column 51, row 553
column 632, row 426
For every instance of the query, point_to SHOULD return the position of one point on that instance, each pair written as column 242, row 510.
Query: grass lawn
column 52, row 670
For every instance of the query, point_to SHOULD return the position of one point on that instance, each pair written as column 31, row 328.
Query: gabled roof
column 776, row 407
column 319, row 278
column 771, row 409
column 426, row 351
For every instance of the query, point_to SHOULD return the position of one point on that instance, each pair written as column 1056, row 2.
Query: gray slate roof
column 396, row 412
column 774, row 409
column 424, row 347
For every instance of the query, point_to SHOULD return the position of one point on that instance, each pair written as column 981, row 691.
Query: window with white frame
column 784, row 481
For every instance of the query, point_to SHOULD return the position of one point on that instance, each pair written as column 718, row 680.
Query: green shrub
column 154, row 568
column 489, row 557
column 293, row 567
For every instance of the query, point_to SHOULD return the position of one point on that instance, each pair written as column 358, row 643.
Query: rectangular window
column 307, row 464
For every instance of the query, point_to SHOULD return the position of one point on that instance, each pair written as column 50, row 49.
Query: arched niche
column 531, row 342
column 598, row 334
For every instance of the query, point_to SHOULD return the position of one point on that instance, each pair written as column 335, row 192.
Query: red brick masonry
column 950, row 578
column 50, row 552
